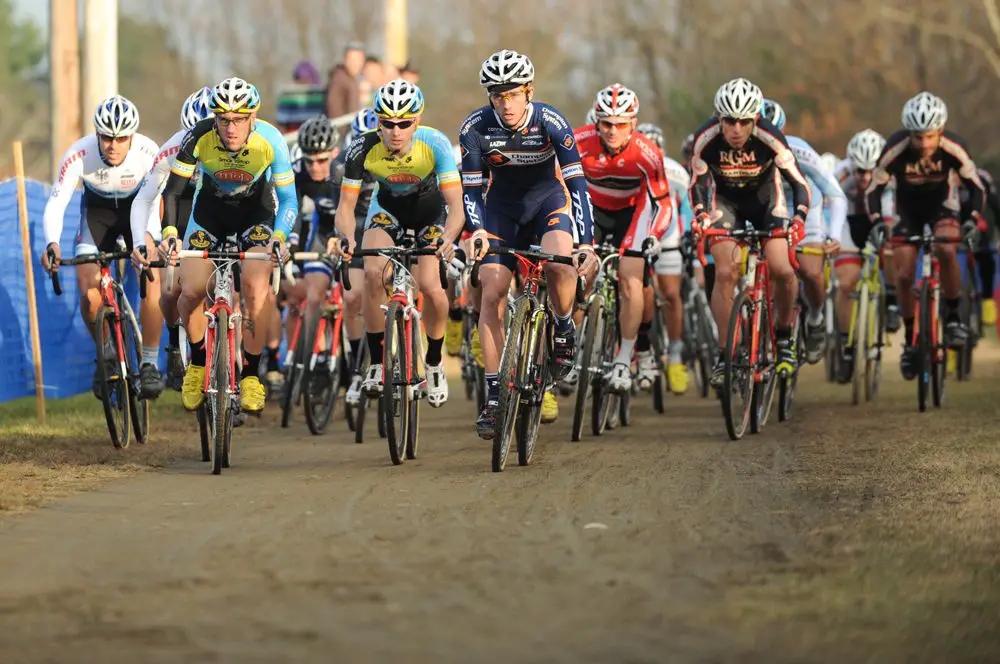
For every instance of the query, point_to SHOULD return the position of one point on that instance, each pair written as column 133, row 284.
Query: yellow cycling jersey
column 428, row 166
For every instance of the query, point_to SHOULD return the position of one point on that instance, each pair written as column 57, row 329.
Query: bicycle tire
column 585, row 382
column 221, row 366
column 319, row 408
column 788, row 385
column 354, row 415
column 658, row 346
column 535, row 374
column 876, row 329
column 924, row 358
column 763, row 391
column 510, row 387
column 380, row 419
column 290, row 396
column 861, row 309
column 939, row 353
column 738, row 341
column 969, row 314
column 625, row 409
column 394, row 385
column 113, row 392
column 206, row 449
column 707, row 343
column 415, row 356
column 603, row 400
column 138, row 407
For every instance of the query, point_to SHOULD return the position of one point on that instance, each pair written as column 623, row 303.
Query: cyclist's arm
column 283, row 178
column 449, row 183
column 789, row 169
column 350, row 185
column 70, row 173
column 571, row 168
column 834, row 196
column 658, row 187
column 473, row 174
column 181, row 172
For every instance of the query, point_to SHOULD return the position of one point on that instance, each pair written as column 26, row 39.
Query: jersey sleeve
column 701, row 176
column 785, row 162
column 657, row 186
column 472, row 172
column 70, row 172
column 354, row 161
column 882, row 175
column 181, row 171
column 570, row 167
column 444, row 161
column 967, row 171
column 833, row 196
column 284, row 184
column 144, row 216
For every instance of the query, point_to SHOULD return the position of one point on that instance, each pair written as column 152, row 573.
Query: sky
column 36, row 10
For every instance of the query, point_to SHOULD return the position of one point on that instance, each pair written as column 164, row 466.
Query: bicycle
column 788, row 385
column 525, row 362
column 600, row 345
column 970, row 312
column 403, row 382
column 321, row 368
column 751, row 347
column 119, row 344
column 223, row 351
column 701, row 338
column 928, row 330
column 866, row 333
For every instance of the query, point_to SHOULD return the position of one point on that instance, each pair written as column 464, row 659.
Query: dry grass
column 901, row 516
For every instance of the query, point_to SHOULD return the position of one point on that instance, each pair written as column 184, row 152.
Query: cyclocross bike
column 866, row 334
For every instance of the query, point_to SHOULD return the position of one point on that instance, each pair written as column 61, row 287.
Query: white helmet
column 864, row 149
column 398, row 99
column 116, row 116
column 506, row 67
column 925, row 112
column 234, row 95
column 196, row 108
column 740, row 99
column 591, row 116
column 616, row 101
column 652, row 132
column 828, row 162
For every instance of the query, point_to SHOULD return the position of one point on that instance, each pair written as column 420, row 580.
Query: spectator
column 410, row 73
column 343, row 93
column 302, row 99
column 372, row 78
column 389, row 73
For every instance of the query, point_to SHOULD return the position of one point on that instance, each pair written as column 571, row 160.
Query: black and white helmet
column 234, row 95
column 316, row 135
column 864, row 149
column 739, row 99
column 506, row 67
column 591, row 116
column 116, row 116
column 653, row 133
column 616, row 101
column 925, row 112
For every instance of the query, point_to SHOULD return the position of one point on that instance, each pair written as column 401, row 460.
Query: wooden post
column 395, row 32
column 100, row 51
column 64, row 56
column 29, row 278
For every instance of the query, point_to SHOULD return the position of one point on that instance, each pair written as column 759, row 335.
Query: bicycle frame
column 223, row 300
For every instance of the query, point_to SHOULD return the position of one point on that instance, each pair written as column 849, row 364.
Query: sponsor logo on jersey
column 259, row 233
column 76, row 156
column 233, row 175
column 403, row 178
column 568, row 141
column 497, row 144
column 554, row 221
column 128, row 183
column 382, row 219
column 200, row 240
column 925, row 167
column 166, row 153
column 736, row 158
column 497, row 158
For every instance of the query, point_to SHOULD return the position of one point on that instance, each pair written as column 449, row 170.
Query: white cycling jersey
column 669, row 263
column 145, row 215
column 83, row 160
column 823, row 186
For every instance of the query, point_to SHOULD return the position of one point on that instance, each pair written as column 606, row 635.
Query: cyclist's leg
column 435, row 314
column 194, row 276
column 381, row 230
column 904, row 263
column 96, row 234
column 258, row 308
column 811, row 273
column 169, row 294
column 951, row 281
column 551, row 221
column 847, row 266
column 726, row 258
column 668, row 268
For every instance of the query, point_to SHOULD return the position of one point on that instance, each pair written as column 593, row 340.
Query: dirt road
column 658, row 543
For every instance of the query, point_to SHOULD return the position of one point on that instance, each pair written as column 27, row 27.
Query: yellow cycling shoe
column 192, row 394
column 550, row 408
column 952, row 366
column 989, row 311
column 453, row 337
column 677, row 378
column 477, row 349
column 252, row 395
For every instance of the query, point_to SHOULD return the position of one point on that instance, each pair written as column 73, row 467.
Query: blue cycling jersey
column 824, row 188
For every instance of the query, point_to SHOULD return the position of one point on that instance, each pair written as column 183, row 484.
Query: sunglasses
column 516, row 93
column 608, row 124
column 743, row 122
column 238, row 121
column 401, row 124
column 114, row 139
column 316, row 160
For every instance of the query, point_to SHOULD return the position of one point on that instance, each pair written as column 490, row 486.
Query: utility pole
column 100, row 47
column 395, row 32
column 64, row 74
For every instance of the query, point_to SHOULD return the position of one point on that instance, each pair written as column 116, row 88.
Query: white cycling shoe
column 619, row 378
column 647, row 371
column 437, row 386
column 372, row 385
column 353, row 396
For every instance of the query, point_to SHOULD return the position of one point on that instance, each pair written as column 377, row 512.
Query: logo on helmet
column 234, row 175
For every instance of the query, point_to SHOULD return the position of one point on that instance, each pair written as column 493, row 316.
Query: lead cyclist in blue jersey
column 526, row 152
column 826, row 194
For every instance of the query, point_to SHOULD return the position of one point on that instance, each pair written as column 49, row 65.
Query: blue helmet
column 197, row 107
column 774, row 113
column 365, row 120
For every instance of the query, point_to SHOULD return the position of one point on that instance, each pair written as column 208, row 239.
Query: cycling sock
column 783, row 333
column 433, row 356
column 564, row 324
column 625, row 352
column 355, row 345
column 675, row 352
column 951, row 310
column 642, row 341
column 375, row 340
column 492, row 387
column 815, row 317
column 198, row 353
column 455, row 314
column 273, row 359
column 151, row 356
column 251, row 365
column 908, row 327
column 174, row 335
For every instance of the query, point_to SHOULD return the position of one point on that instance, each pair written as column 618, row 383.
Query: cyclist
column 417, row 177
column 744, row 157
column 669, row 265
column 984, row 251
column 245, row 174
column 145, row 218
column 526, row 152
column 631, row 198
column 927, row 163
column 863, row 152
column 826, row 194
column 112, row 163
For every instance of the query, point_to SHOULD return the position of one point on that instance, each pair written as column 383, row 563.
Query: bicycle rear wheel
column 588, row 361
column 414, row 353
column 738, row 384
column 861, row 310
column 220, row 397
column 321, row 384
column 763, row 393
column 395, row 403
column 925, row 357
column 511, row 373
column 876, row 341
column 114, row 392
column 138, row 407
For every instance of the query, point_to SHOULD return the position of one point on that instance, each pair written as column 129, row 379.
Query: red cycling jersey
column 633, row 178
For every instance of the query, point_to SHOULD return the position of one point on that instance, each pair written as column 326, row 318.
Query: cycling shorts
column 102, row 222
column 213, row 219
column 424, row 217
column 520, row 224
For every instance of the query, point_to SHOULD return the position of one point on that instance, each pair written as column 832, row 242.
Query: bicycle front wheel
column 876, row 341
column 604, row 409
column 111, row 378
column 738, row 384
column 535, row 379
column 219, row 394
column 511, row 362
column 763, row 393
column 862, row 309
column 588, row 361
column 297, row 349
column 138, row 407
column 321, row 383
column 925, row 352
column 395, row 405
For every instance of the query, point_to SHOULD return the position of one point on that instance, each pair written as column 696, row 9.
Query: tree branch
column 973, row 40
column 994, row 17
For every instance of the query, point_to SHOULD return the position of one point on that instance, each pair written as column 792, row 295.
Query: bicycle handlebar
column 744, row 234
column 533, row 255
column 101, row 258
column 227, row 256
column 394, row 252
